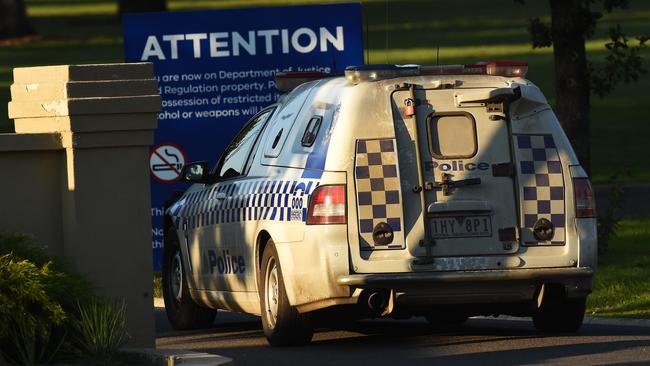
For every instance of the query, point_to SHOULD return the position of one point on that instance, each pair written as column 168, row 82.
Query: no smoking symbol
column 166, row 162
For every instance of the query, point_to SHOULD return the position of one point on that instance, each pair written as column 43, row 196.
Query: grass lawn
column 87, row 31
column 623, row 277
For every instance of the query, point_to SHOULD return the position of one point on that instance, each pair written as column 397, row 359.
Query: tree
column 576, row 78
column 13, row 19
column 140, row 6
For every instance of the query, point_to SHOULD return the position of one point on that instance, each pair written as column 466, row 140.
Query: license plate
column 461, row 226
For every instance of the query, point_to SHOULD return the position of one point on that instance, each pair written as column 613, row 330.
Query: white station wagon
column 392, row 191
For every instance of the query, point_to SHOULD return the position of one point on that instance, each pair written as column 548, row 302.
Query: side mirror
column 196, row 172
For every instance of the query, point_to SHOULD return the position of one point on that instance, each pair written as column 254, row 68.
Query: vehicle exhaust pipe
column 376, row 302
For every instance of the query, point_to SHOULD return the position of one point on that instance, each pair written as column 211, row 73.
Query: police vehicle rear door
column 465, row 183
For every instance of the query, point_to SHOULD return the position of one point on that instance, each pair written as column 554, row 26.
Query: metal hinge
column 403, row 86
column 503, row 170
column 494, row 107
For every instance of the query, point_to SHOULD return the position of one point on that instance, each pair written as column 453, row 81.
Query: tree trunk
column 572, row 90
column 13, row 19
column 140, row 6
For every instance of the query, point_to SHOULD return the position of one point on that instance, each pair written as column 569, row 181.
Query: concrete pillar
column 105, row 116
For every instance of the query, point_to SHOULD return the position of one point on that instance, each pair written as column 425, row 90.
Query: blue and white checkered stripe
column 377, row 183
column 268, row 200
column 541, row 184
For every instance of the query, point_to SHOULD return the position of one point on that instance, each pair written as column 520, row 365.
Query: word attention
column 227, row 44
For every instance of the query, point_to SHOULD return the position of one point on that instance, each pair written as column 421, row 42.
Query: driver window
column 235, row 156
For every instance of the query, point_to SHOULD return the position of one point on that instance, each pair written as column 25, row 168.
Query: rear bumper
column 474, row 287
column 422, row 278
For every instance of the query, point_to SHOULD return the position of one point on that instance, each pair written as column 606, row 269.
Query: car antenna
column 367, row 44
column 386, row 32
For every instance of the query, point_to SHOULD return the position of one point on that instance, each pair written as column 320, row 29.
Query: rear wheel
column 563, row 316
column 182, row 311
column 283, row 324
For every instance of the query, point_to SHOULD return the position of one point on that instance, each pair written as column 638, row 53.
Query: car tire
column 446, row 319
column 563, row 316
column 283, row 324
column 183, row 313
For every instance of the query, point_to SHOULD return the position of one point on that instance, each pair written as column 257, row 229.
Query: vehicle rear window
column 235, row 156
column 452, row 135
column 311, row 131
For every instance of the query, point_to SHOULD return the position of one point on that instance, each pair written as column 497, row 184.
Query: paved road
column 412, row 342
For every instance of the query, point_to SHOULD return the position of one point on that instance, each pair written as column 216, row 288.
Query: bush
column 29, row 315
column 37, row 295
column 22, row 246
column 48, row 313
column 62, row 285
column 23, row 293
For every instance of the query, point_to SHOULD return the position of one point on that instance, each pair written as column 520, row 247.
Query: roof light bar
column 357, row 74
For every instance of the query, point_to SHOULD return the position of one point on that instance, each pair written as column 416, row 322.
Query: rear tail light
column 327, row 206
column 584, row 198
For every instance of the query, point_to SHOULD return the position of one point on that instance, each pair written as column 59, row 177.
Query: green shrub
column 100, row 328
column 37, row 295
column 22, row 246
column 62, row 285
column 24, row 295
column 29, row 315
column 34, row 345
column 48, row 313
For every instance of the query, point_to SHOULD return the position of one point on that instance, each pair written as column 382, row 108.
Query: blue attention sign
column 215, row 70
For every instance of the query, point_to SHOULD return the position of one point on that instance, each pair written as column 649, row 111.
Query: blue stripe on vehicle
column 245, row 201
column 312, row 174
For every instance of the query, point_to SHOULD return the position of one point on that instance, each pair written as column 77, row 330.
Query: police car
column 390, row 191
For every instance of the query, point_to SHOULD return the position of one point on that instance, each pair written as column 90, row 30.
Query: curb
column 159, row 357
column 618, row 321
column 590, row 320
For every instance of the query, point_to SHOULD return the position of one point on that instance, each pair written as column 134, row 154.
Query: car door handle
column 220, row 196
